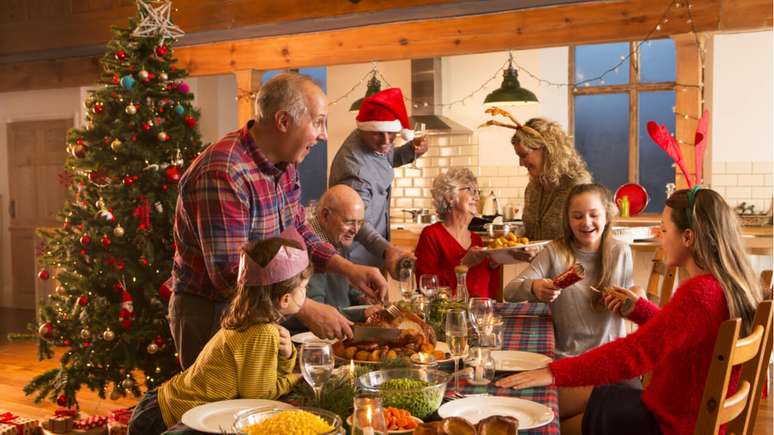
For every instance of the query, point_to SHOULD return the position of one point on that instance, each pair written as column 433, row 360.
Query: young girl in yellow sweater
column 251, row 356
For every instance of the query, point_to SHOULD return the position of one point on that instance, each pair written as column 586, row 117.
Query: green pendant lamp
column 510, row 93
column 374, row 86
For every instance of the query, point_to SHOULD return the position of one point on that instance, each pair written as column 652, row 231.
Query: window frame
column 632, row 88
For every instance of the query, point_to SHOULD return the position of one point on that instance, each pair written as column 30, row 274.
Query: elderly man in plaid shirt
column 246, row 187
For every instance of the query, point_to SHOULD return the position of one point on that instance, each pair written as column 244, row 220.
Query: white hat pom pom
column 407, row 134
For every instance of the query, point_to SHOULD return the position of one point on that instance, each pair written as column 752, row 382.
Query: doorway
column 36, row 155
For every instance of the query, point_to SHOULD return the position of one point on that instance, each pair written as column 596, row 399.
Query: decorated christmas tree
column 114, row 250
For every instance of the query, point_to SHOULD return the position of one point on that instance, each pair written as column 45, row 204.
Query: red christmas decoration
column 126, row 314
column 159, row 340
column 82, row 252
column 144, row 261
column 146, row 126
column 98, row 107
column 66, row 343
column 164, row 186
column 83, row 300
column 43, row 275
column 61, row 400
column 46, row 331
column 164, row 291
column 162, row 50
column 120, row 55
column 79, row 151
column 120, row 265
column 128, row 180
column 134, row 138
column 116, row 79
column 173, row 174
column 105, row 241
column 190, row 121
column 85, row 240
column 118, row 286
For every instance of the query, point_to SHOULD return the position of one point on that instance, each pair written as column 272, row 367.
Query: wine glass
column 406, row 280
column 481, row 311
column 419, row 131
column 316, row 364
column 368, row 417
column 456, row 338
column 428, row 285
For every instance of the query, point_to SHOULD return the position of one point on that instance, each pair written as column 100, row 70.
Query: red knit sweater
column 438, row 252
column 675, row 343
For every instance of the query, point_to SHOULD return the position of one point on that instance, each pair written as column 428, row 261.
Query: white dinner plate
column 303, row 337
column 530, row 414
column 503, row 255
column 211, row 417
column 516, row 361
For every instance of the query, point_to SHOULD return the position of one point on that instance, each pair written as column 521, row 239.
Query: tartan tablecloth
column 528, row 334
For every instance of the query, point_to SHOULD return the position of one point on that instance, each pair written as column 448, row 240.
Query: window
column 609, row 114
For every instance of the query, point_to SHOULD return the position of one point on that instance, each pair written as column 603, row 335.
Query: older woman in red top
column 449, row 243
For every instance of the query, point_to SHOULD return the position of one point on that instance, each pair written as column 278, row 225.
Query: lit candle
column 368, row 430
column 352, row 370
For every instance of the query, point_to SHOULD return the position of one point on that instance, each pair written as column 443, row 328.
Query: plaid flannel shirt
column 232, row 194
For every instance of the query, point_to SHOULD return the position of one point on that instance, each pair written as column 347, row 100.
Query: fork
column 393, row 310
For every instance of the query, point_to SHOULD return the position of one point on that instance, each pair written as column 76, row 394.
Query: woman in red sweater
column 700, row 233
column 449, row 243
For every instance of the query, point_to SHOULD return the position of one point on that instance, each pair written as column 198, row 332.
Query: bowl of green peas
column 418, row 391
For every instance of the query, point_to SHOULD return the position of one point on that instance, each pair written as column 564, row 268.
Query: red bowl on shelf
column 638, row 197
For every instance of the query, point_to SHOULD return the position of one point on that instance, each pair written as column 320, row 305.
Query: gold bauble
column 108, row 335
column 152, row 348
column 116, row 144
column 119, row 231
column 127, row 383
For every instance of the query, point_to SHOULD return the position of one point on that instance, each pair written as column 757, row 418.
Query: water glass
column 368, row 417
column 406, row 282
column 316, row 364
column 457, row 338
column 419, row 131
column 428, row 285
column 492, row 333
column 420, row 304
column 481, row 311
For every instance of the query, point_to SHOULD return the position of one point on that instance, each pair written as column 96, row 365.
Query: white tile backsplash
column 739, row 167
column 762, row 167
column 749, row 182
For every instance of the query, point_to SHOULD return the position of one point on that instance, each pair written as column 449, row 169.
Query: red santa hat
column 385, row 111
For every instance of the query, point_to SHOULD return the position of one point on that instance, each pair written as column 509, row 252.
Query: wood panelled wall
column 522, row 29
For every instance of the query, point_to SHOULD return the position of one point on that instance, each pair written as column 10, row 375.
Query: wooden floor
column 18, row 364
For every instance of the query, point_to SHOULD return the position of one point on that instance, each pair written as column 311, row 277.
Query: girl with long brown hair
column 251, row 356
column 699, row 233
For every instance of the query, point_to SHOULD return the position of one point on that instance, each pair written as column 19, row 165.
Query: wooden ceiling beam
column 524, row 29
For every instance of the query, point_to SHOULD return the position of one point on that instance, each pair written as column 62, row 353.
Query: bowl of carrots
column 398, row 421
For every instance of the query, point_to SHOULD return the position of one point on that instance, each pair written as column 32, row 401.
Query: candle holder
column 483, row 365
column 368, row 417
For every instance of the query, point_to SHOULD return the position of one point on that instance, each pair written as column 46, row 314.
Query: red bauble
column 173, row 174
column 105, row 241
column 79, row 151
column 85, row 240
column 80, row 141
column 46, row 331
column 164, row 186
column 162, row 50
column 128, row 181
column 120, row 265
column 164, row 291
column 190, row 121
column 118, row 286
column 98, row 107
column 43, row 275
column 134, row 138
column 66, row 343
column 159, row 340
column 116, row 80
column 61, row 400
column 83, row 300
column 146, row 126
column 120, row 55
column 144, row 261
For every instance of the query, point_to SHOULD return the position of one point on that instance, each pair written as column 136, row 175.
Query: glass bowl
column 249, row 417
column 420, row 402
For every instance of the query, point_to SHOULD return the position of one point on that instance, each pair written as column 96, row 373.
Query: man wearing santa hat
column 365, row 162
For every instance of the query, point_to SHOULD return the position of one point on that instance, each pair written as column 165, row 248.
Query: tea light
column 423, row 359
column 352, row 371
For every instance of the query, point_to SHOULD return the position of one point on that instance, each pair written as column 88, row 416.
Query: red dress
column 438, row 252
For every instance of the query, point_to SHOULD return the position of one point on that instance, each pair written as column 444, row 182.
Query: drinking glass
column 481, row 311
column 456, row 338
column 407, row 284
column 368, row 417
column 316, row 364
column 480, row 359
column 419, row 131
column 428, row 285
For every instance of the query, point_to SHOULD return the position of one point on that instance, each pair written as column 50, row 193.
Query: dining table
column 527, row 327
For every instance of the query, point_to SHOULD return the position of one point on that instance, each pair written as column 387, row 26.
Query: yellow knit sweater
column 234, row 364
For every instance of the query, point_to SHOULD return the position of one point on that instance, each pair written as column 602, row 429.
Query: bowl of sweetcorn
column 296, row 421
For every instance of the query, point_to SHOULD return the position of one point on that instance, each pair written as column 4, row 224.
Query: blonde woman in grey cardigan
column 581, row 321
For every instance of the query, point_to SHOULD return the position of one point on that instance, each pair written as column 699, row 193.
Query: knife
column 371, row 333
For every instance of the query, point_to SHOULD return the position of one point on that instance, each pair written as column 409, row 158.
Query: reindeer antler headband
column 668, row 143
column 494, row 111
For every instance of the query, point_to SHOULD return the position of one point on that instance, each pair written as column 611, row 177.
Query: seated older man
column 338, row 218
